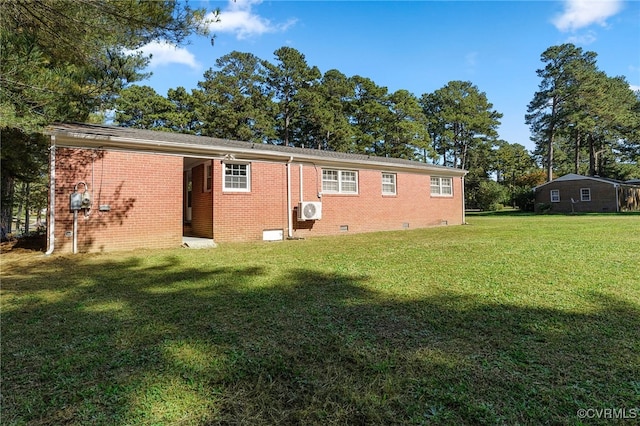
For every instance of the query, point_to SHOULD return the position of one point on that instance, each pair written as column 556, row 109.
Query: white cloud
column 634, row 87
column 164, row 53
column 582, row 13
column 583, row 39
column 239, row 19
column 471, row 60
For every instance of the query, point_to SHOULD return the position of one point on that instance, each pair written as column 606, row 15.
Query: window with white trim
column 236, row 177
column 388, row 184
column 555, row 195
column 585, row 194
column 208, row 177
column 441, row 186
column 340, row 181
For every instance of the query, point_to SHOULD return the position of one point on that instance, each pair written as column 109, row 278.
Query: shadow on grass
column 521, row 213
column 127, row 343
column 499, row 213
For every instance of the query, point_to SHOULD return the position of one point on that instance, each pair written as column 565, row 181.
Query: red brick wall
column 244, row 216
column 145, row 196
column 369, row 210
column 143, row 191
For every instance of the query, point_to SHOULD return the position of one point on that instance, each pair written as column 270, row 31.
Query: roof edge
column 574, row 177
column 84, row 139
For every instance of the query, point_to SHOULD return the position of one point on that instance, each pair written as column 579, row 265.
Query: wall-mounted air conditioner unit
column 309, row 210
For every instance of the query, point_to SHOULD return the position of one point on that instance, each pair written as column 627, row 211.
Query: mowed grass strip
column 509, row 320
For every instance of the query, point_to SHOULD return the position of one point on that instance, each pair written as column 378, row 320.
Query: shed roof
column 575, row 177
column 83, row 135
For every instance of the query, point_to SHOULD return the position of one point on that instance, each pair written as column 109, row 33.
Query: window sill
column 339, row 194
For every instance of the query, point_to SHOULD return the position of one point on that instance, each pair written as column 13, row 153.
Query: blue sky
column 419, row 46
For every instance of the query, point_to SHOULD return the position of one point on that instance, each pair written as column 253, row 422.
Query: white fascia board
column 574, row 177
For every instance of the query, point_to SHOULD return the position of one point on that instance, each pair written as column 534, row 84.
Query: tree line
column 582, row 120
column 290, row 102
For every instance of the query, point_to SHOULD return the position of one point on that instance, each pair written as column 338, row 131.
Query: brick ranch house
column 580, row 194
column 115, row 188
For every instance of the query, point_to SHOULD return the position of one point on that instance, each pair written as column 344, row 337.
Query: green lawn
column 509, row 320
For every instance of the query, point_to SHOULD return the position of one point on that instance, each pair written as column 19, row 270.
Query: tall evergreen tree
column 292, row 81
column 464, row 120
column 435, row 126
column 368, row 110
column 581, row 119
column 510, row 161
column 406, row 133
column 183, row 117
column 141, row 107
column 547, row 113
column 606, row 109
column 63, row 59
column 235, row 102
column 325, row 121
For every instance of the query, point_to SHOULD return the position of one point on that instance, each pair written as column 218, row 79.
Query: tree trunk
column 592, row 156
column 550, row 157
column 463, row 160
column 27, row 207
column 552, row 132
column 287, row 120
column 577, row 154
column 513, row 189
column 6, row 207
column 20, row 206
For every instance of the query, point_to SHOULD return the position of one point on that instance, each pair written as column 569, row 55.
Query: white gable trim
column 574, row 177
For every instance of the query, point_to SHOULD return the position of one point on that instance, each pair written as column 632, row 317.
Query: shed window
column 237, row 177
column 340, row 181
column 442, row 186
column 389, row 184
column 585, row 194
column 555, row 195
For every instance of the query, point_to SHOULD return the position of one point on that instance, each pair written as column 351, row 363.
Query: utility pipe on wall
column 289, row 210
column 464, row 219
column 301, row 184
column 52, row 196
column 75, row 231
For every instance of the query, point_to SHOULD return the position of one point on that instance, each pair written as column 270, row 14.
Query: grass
column 509, row 320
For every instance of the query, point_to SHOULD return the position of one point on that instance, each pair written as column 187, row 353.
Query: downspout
column 464, row 219
column 301, row 184
column 74, row 249
column 289, row 220
column 52, row 196
column 617, row 189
